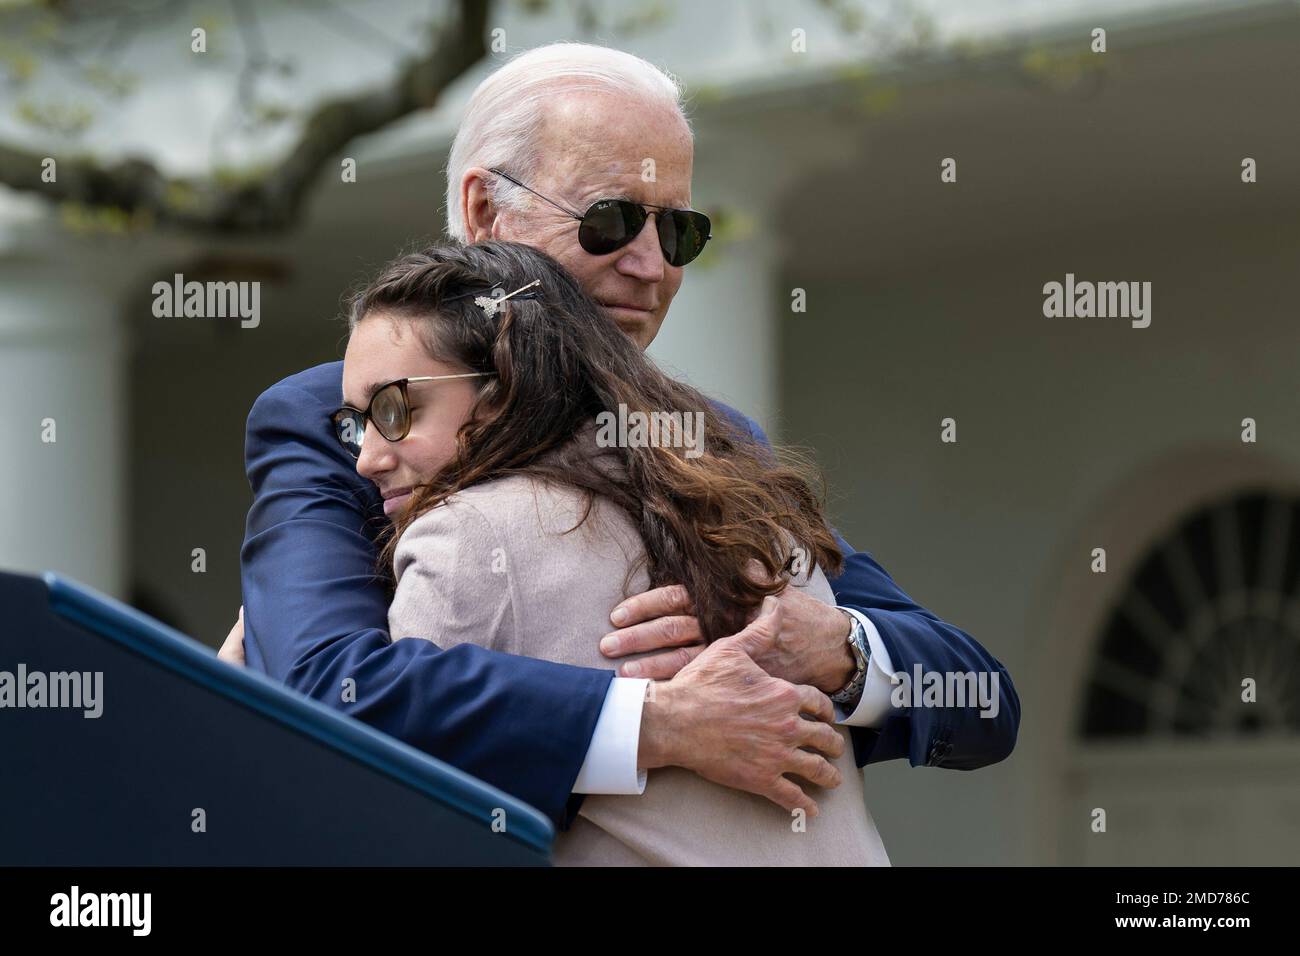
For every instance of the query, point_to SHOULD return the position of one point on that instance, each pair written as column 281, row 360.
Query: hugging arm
column 957, row 738
column 316, row 614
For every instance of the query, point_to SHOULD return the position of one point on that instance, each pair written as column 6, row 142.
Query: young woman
column 503, row 418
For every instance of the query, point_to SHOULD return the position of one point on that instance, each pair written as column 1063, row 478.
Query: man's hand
column 723, row 717
column 232, row 651
column 810, row 648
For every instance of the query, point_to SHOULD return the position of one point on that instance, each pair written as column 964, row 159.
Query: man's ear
column 476, row 204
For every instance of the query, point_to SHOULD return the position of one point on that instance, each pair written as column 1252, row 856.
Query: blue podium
column 192, row 761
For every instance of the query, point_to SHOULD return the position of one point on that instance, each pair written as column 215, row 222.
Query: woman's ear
column 489, row 404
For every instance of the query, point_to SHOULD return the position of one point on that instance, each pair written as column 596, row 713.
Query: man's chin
column 637, row 325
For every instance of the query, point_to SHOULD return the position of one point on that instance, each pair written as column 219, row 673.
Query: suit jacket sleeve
column 956, row 738
column 316, row 612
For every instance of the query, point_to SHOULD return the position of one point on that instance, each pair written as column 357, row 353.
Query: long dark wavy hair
column 559, row 362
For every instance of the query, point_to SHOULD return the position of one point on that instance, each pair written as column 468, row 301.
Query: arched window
column 1212, row 603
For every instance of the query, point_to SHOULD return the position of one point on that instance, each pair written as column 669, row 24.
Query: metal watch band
column 857, row 641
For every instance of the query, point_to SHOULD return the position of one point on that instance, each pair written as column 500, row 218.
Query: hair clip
column 490, row 304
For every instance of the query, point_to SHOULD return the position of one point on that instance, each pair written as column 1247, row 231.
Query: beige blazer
column 494, row 566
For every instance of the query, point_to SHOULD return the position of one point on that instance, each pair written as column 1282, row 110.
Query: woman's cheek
column 435, row 452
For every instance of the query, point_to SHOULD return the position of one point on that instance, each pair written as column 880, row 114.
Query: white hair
column 504, row 117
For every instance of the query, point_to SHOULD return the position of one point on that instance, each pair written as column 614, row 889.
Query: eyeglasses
column 610, row 224
column 389, row 411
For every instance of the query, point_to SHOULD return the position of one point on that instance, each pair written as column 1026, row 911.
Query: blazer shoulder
column 742, row 421
column 453, row 535
column 323, row 383
column 516, row 502
column 526, row 516
column 453, row 584
column 289, row 440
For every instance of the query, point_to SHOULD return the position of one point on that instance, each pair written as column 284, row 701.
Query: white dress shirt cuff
column 610, row 765
column 874, row 705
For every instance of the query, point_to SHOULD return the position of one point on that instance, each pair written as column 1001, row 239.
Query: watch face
column 858, row 641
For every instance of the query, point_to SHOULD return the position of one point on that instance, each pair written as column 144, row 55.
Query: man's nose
column 643, row 257
column 376, row 456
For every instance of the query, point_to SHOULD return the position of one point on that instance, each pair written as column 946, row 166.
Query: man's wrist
column 846, row 665
column 655, row 744
column 859, row 645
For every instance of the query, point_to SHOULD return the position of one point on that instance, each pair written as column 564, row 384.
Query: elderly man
column 554, row 151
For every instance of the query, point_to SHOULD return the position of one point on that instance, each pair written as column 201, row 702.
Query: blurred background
column 820, row 132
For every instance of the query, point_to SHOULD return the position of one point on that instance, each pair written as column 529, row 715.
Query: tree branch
column 274, row 201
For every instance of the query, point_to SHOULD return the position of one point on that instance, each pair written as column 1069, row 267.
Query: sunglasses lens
column 683, row 234
column 350, row 427
column 609, row 225
column 389, row 413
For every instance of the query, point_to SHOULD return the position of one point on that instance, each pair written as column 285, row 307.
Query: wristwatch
column 861, row 651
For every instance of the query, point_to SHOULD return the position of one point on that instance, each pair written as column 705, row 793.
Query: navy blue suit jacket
column 315, row 613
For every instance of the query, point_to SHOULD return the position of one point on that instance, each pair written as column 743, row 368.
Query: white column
column 720, row 334
column 62, row 360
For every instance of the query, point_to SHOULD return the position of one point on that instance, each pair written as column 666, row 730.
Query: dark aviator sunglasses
column 610, row 224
